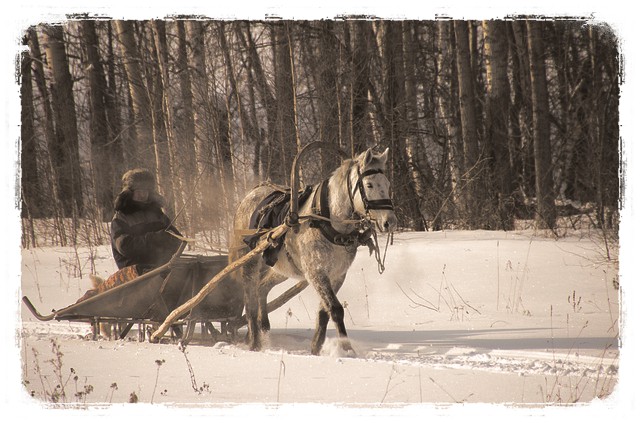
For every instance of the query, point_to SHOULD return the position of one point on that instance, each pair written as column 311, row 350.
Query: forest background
column 489, row 123
column 620, row 16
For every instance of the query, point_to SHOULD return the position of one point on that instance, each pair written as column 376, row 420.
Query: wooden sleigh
column 150, row 299
column 187, row 290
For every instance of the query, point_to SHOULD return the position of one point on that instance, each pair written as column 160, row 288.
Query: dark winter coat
column 138, row 233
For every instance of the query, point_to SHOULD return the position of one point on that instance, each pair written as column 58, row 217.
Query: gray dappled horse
column 355, row 198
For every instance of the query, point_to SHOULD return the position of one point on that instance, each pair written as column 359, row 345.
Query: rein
column 376, row 249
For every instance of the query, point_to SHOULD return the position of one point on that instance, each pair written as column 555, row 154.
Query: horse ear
column 366, row 157
column 384, row 156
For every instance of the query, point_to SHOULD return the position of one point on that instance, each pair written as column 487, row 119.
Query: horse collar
column 321, row 205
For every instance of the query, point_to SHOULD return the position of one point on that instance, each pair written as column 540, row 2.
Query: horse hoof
column 347, row 349
column 255, row 346
column 350, row 353
column 335, row 348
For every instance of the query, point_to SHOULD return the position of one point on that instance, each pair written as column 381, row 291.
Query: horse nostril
column 386, row 225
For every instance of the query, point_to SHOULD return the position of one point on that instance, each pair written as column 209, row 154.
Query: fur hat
column 138, row 179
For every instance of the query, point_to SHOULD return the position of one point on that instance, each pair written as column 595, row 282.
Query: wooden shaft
column 264, row 243
column 287, row 295
column 276, row 303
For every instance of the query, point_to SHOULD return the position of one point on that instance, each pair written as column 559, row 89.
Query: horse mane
column 339, row 202
column 341, row 173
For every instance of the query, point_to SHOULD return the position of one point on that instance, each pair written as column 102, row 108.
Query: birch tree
column 101, row 156
column 65, row 149
column 143, row 132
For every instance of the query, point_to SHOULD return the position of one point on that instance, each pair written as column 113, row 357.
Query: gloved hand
column 173, row 241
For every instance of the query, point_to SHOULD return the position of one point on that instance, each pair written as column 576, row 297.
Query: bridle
column 321, row 216
column 364, row 233
column 382, row 204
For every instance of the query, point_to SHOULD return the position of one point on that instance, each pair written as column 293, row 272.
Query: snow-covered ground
column 514, row 319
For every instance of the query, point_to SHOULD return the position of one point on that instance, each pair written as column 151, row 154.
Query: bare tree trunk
column 223, row 146
column 174, row 175
column 267, row 141
column 256, row 132
column 327, row 84
column 395, row 125
column 342, row 80
column 468, row 118
column 608, row 83
column 419, row 167
column 287, row 144
column 101, row 166
column 360, row 128
column 55, row 202
column 603, row 129
column 66, row 152
column 202, row 121
column 149, row 62
column 475, row 58
column 319, row 64
column 498, row 121
column 523, row 82
column 546, row 211
column 185, row 142
column 309, row 72
column 517, row 126
column 139, row 96
column 247, row 130
column 188, row 126
column 31, row 201
column 447, row 92
column 560, row 44
column 119, row 160
column 220, row 107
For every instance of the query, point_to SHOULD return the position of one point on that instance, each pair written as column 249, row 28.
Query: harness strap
column 321, row 207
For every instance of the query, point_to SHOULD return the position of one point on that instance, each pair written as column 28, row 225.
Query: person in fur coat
column 140, row 230
column 141, row 233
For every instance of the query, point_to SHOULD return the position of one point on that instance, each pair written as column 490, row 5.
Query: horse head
column 370, row 190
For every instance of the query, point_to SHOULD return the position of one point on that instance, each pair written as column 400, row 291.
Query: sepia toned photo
column 358, row 213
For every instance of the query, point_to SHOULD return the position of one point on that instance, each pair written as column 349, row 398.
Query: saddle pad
column 269, row 214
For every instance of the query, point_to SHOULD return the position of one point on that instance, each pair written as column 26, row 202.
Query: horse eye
column 369, row 185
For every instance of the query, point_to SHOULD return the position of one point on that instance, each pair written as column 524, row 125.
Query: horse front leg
column 330, row 308
column 321, row 331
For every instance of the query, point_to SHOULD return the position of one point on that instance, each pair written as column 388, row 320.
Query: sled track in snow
column 516, row 362
column 60, row 330
column 501, row 361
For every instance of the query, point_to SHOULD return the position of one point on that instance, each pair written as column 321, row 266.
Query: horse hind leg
column 267, row 281
column 250, row 280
